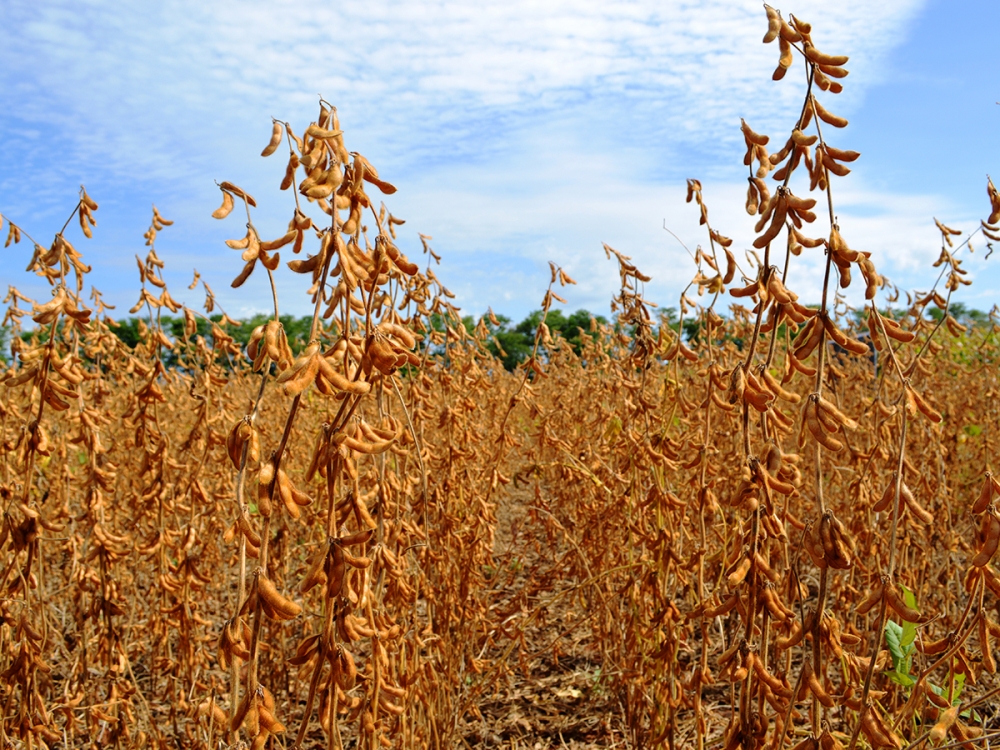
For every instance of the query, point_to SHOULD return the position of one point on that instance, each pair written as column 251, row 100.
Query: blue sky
column 516, row 133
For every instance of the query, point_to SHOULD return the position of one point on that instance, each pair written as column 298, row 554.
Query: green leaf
column 909, row 634
column 900, row 678
column 959, row 686
column 893, row 636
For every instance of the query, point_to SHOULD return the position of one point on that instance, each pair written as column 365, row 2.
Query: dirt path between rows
column 553, row 694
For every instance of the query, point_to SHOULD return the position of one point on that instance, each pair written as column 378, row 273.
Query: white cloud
column 139, row 83
column 498, row 242
column 517, row 132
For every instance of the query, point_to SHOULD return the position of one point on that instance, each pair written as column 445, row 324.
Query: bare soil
column 552, row 694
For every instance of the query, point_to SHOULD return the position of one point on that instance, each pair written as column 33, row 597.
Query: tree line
column 511, row 343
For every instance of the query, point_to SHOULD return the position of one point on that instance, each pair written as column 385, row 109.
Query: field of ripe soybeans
column 762, row 524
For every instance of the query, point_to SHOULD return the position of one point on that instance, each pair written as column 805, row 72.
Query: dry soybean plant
column 766, row 495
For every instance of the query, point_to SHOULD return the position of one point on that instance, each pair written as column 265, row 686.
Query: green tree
column 960, row 312
column 517, row 342
column 128, row 331
column 4, row 343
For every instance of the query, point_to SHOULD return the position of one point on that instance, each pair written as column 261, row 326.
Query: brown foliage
column 252, row 541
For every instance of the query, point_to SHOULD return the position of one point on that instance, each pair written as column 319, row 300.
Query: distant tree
column 128, row 331
column 692, row 329
column 668, row 317
column 203, row 327
column 960, row 312
column 517, row 342
column 512, row 344
column 296, row 329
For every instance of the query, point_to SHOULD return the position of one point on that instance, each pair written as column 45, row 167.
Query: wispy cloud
column 500, row 242
column 185, row 73
column 517, row 132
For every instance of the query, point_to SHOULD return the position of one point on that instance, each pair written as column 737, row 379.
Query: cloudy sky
column 516, row 132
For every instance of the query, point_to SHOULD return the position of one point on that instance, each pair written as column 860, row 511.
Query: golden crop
column 771, row 541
